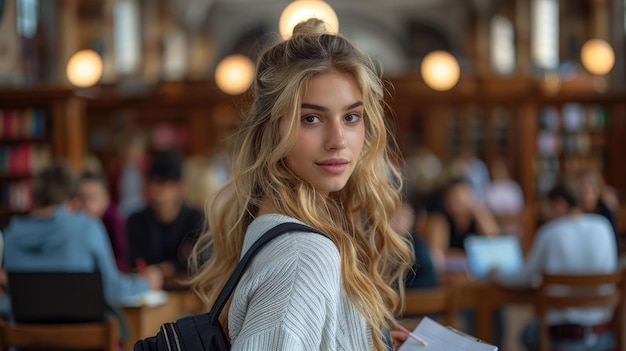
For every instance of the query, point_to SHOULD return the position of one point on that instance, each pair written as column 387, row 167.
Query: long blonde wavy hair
column 373, row 256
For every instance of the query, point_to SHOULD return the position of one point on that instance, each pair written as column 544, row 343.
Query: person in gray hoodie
column 51, row 238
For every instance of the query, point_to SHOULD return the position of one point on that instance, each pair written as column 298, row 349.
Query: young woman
column 597, row 197
column 313, row 149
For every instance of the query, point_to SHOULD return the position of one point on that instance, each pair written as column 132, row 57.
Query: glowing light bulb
column 440, row 70
column 233, row 75
column 597, row 56
column 84, row 68
column 301, row 10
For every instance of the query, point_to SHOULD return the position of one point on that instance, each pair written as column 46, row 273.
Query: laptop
column 56, row 297
column 486, row 252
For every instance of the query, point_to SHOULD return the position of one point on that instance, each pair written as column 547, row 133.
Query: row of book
column 24, row 159
column 17, row 196
column 22, row 123
column 574, row 117
column 554, row 144
column 549, row 169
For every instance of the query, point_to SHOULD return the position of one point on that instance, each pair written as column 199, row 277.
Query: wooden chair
column 592, row 297
column 64, row 311
column 79, row 336
column 440, row 300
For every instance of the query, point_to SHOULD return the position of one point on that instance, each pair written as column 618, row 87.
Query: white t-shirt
column 580, row 244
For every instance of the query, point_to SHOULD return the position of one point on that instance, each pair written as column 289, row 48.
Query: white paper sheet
column 440, row 338
column 150, row 298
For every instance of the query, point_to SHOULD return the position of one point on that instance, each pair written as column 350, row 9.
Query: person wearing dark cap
column 163, row 233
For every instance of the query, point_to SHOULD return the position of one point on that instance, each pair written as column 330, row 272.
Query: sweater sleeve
column 118, row 287
column 292, row 297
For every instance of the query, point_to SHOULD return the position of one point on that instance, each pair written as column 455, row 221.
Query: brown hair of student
column 53, row 185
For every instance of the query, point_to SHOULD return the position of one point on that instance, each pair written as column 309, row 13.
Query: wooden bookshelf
column 502, row 119
column 38, row 125
column 197, row 115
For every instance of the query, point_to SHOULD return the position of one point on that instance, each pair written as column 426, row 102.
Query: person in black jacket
column 164, row 232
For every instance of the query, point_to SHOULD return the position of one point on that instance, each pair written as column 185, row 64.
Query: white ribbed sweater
column 291, row 297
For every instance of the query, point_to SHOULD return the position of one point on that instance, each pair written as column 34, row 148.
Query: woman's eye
column 353, row 117
column 310, row 119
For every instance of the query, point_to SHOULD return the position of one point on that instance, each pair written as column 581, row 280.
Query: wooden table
column 145, row 321
column 484, row 298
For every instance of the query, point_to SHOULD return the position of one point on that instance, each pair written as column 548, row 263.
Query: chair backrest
column 433, row 301
column 56, row 297
column 589, row 293
column 82, row 336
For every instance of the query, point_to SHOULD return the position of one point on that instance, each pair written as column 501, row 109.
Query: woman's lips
column 333, row 166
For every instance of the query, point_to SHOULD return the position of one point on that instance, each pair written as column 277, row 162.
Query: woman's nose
column 336, row 138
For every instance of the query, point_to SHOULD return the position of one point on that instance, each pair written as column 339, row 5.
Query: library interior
column 124, row 125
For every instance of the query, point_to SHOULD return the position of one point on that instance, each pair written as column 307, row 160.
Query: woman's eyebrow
column 355, row 105
column 325, row 109
column 314, row 107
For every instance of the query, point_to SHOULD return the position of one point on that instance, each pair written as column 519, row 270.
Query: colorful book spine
column 20, row 160
column 17, row 196
column 23, row 159
column 26, row 123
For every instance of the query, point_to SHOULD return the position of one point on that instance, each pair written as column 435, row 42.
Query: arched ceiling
column 388, row 30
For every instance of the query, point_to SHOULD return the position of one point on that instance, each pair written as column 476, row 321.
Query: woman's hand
column 398, row 338
column 154, row 276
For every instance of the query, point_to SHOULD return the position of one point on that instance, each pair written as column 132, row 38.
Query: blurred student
column 53, row 239
column 163, row 233
column 597, row 197
column 93, row 198
column 503, row 196
column 459, row 216
column 128, row 172
column 505, row 199
column 476, row 173
column 422, row 273
column 571, row 242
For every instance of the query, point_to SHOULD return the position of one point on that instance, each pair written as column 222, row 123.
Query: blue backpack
column 203, row 332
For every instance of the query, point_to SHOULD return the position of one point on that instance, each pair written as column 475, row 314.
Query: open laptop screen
column 56, row 297
column 484, row 253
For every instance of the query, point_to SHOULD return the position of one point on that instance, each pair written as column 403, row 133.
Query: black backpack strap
column 232, row 282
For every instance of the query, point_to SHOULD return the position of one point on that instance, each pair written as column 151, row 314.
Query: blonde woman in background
column 597, row 197
column 312, row 149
